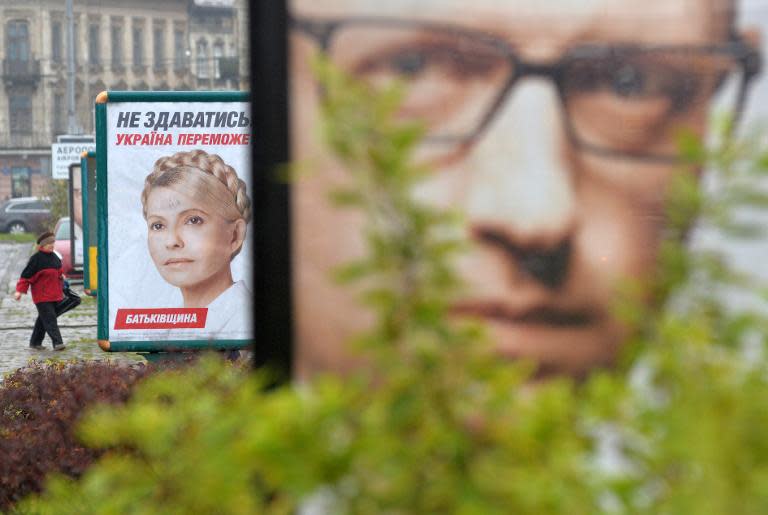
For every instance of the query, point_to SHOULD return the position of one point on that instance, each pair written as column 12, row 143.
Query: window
column 117, row 47
column 20, row 113
column 34, row 205
column 201, row 53
column 25, row 206
column 56, row 42
column 159, row 50
column 18, row 46
column 63, row 231
column 138, row 46
column 218, row 53
column 22, row 206
column 179, row 50
column 94, row 44
column 20, row 185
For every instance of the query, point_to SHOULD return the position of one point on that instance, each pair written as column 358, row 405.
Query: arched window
column 17, row 45
column 201, row 55
column 20, row 113
column 218, row 53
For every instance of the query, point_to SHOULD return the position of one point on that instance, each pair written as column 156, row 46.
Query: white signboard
column 65, row 154
column 215, row 3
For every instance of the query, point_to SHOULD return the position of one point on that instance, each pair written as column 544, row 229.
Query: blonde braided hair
column 208, row 163
column 175, row 169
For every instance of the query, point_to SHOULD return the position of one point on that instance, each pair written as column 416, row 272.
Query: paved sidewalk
column 78, row 327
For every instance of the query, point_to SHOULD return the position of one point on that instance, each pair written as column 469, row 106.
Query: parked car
column 62, row 247
column 24, row 214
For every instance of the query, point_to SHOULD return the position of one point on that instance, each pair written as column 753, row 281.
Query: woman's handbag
column 70, row 301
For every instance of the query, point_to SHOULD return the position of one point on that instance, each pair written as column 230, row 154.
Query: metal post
column 72, row 126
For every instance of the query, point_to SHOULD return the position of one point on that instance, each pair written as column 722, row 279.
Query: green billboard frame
column 85, row 184
column 102, row 199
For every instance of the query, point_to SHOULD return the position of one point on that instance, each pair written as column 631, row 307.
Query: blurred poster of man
column 552, row 124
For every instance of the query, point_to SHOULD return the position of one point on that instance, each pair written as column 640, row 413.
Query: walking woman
column 44, row 274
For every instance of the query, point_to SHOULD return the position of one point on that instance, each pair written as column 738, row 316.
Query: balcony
column 25, row 140
column 21, row 72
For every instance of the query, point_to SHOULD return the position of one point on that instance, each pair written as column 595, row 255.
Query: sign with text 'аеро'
column 65, row 154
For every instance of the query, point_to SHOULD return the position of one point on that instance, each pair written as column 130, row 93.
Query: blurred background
column 59, row 54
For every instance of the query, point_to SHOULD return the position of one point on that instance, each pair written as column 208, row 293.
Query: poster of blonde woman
column 173, row 177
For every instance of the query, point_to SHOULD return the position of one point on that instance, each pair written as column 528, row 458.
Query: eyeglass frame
column 749, row 58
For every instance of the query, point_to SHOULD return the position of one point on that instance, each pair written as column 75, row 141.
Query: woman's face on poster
column 551, row 125
column 189, row 243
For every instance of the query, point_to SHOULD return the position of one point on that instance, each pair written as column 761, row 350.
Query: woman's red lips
column 541, row 315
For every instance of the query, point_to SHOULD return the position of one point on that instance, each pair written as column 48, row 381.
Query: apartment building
column 118, row 45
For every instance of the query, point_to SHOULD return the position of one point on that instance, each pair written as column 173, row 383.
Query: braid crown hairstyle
column 204, row 177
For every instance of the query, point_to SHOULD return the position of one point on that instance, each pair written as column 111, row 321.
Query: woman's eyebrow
column 192, row 210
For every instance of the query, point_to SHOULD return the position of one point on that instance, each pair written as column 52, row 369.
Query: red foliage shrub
column 39, row 405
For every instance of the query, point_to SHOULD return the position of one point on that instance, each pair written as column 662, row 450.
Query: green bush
column 442, row 426
column 58, row 191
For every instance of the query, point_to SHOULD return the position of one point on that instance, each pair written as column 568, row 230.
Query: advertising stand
column 90, row 222
column 174, row 211
column 75, row 216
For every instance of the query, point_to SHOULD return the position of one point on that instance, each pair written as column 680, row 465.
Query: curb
column 30, row 327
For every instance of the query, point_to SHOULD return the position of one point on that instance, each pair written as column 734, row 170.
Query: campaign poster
column 90, row 222
column 551, row 126
column 174, row 202
column 76, row 216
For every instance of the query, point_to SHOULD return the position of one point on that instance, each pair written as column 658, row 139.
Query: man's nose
column 521, row 198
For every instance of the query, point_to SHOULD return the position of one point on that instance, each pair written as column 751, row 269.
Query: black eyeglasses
column 622, row 100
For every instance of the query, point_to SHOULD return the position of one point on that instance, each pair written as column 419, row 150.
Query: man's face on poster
column 551, row 125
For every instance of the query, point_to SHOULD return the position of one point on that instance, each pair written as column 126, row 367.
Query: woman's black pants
column 45, row 323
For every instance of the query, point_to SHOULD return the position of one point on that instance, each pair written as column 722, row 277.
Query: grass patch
column 26, row 237
column 87, row 300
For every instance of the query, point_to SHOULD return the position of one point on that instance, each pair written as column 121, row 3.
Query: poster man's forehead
column 425, row 8
column 697, row 19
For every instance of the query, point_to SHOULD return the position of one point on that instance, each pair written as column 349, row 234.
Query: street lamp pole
column 72, row 126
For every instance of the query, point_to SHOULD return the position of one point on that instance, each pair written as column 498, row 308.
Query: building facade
column 118, row 45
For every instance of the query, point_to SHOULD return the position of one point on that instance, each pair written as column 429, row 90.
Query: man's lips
column 540, row 315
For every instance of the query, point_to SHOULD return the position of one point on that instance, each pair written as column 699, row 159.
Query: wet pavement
column 78, row 327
